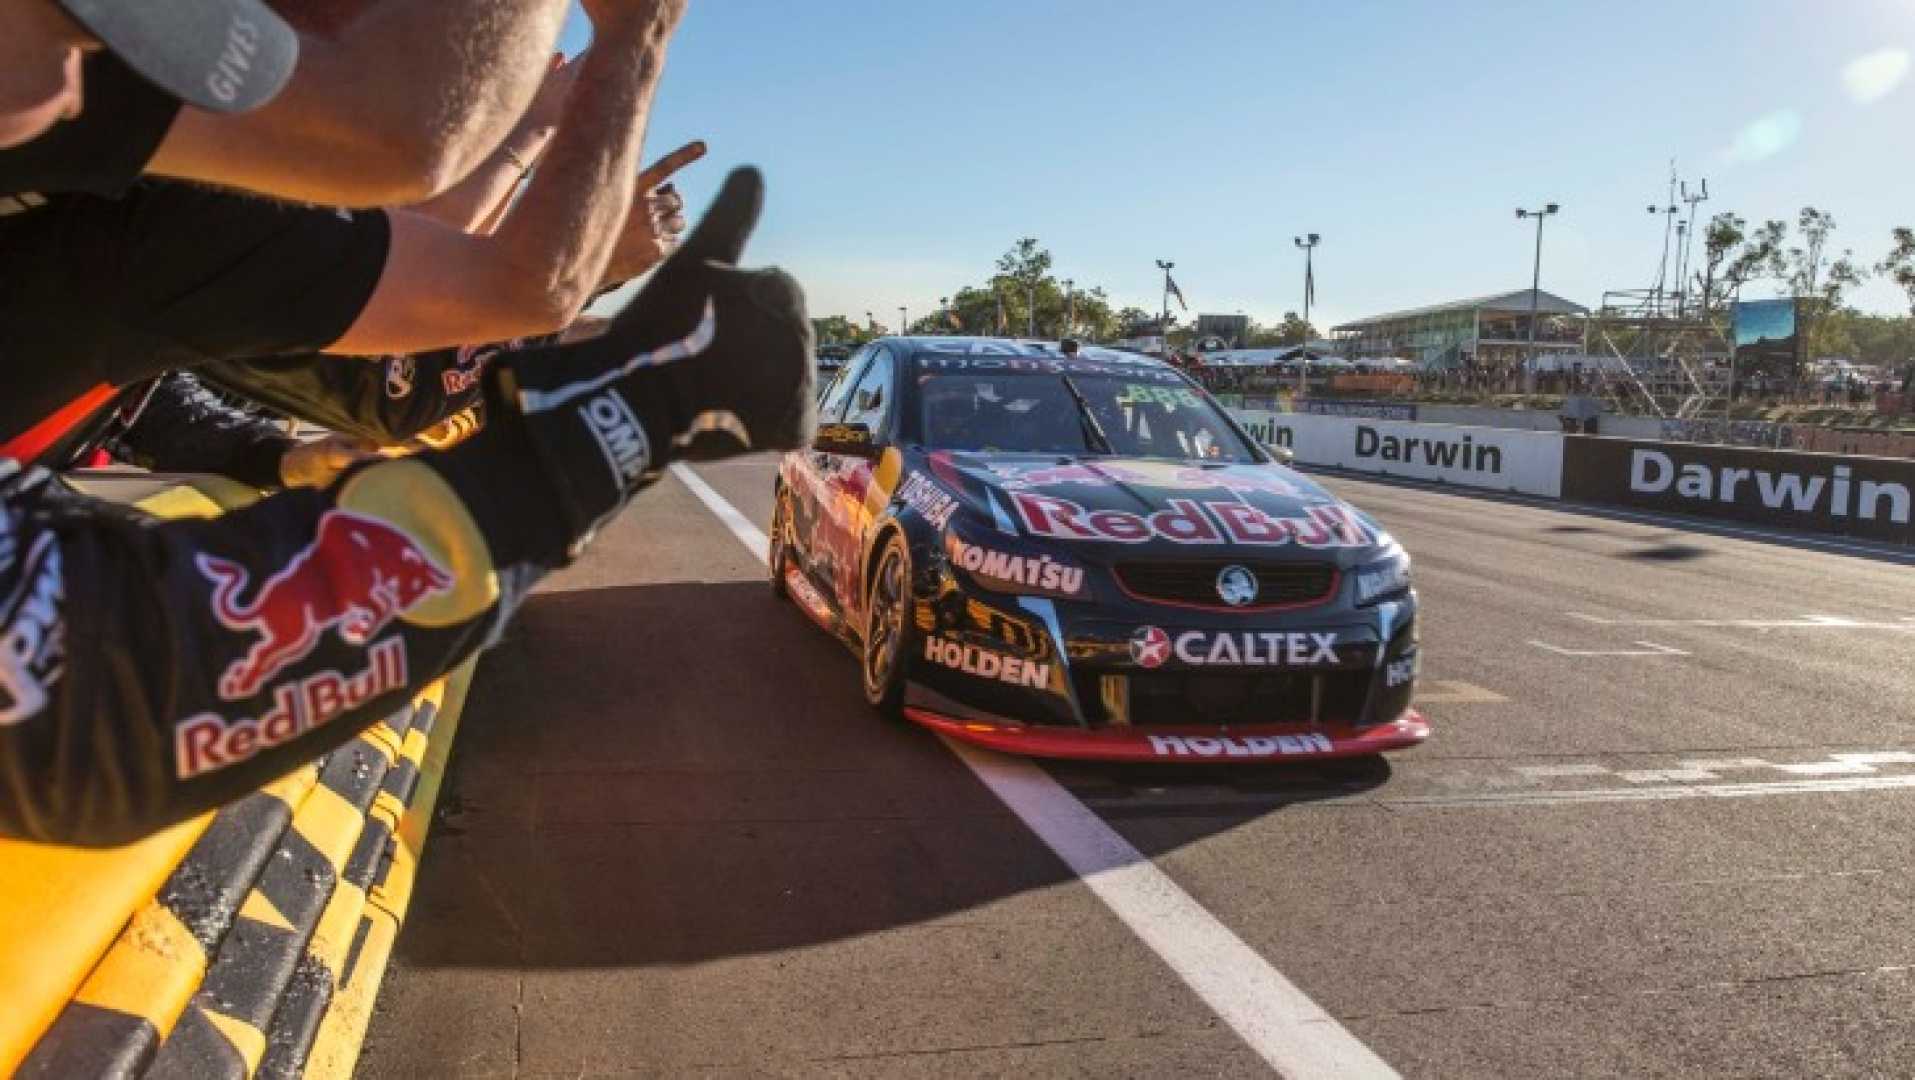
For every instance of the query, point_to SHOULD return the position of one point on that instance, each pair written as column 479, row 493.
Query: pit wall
column 1839, row 494
column 246, row 942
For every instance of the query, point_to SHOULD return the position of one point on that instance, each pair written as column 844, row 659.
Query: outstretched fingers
column 663, row 169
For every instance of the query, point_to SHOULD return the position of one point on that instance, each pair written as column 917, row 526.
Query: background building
column 1484, row 332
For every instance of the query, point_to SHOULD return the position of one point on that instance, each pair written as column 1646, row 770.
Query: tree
column 1003, row 304
column 1754, row 260
column 1899, row 265
column 1291, row 331
column 1131, row 320
column 1720, row 239
column 1886, row 341
column 1812, row 276
column 1026, row 263
column 837, row 328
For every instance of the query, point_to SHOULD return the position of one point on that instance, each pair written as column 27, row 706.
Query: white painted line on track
column 740, row 525
column 1275, row 1018
column 1655, row 794
column 1552, row 771
column 1826, row 768
column 1649, row 648
column 1806, row 622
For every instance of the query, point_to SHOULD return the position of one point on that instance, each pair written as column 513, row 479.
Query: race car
column 1084, row 556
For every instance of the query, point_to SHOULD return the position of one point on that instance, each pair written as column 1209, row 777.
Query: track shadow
column 1667, row 552
column 682, row 772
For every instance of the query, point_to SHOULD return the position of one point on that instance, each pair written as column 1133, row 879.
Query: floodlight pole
column 1535, row 289
column 904, row 322
column 1066, row 332
column 1164, row 326
column 1700, row 195
column 1303, row 365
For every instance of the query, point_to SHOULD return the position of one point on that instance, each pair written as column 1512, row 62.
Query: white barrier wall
column 1497, row 459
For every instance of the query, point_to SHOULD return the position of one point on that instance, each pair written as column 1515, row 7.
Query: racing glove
column 707, row 361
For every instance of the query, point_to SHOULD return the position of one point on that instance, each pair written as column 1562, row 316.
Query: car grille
column 1193, row 582
column 1172, row 699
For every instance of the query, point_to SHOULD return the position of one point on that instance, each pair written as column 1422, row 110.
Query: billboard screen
column 1222, row 331
column 1765, row 336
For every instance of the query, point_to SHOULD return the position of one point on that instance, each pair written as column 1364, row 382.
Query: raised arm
column 154, row 669
column 477, row 203
column 393, row 107
column 536, row 273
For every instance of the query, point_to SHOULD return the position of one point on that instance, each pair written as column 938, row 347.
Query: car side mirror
column 852, row 440
column 1283, row 454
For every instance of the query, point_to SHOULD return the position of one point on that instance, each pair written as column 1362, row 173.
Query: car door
column 845, row 478
column 805, row 479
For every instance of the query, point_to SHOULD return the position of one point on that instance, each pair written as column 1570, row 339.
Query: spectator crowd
column 227, row 225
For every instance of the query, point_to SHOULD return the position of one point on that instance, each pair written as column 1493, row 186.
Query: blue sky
column 907, row 143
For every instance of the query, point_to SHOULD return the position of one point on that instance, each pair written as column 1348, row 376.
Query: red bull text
column 209, row 741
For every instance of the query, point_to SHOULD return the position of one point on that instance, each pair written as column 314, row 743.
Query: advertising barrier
column 1495, row 459
column 1842, row 494
column 1826, row 493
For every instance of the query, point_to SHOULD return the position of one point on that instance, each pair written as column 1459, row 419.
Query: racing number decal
column 1173, row 397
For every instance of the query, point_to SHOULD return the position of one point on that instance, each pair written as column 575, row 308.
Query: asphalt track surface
column 1663, row 828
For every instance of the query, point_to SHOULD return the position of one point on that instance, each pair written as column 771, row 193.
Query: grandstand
column 1483, row 333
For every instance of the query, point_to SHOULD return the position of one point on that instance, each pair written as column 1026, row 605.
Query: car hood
column 1126, row 504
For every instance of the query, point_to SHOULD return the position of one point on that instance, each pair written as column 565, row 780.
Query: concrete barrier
column 1495, row 459
column 1841, row 494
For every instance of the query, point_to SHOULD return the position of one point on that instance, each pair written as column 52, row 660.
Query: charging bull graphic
column 356, row 576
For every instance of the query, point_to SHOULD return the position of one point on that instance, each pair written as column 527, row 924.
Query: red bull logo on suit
column 355, row 577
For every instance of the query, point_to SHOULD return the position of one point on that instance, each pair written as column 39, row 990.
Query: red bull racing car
column 1084, row 556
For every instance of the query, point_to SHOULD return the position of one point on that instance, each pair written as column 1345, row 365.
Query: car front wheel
column 778, row 556
column 888, row 629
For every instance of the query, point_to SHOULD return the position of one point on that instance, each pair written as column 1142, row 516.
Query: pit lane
column 679, row 843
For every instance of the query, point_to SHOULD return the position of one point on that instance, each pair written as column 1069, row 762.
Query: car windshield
column 1033, row 412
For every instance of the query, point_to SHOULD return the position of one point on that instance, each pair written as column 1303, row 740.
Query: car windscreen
column 1037, row 412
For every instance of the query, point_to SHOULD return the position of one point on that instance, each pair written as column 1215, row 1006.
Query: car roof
column 918, row 345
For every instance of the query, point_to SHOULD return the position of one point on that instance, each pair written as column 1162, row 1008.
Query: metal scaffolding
column 1657, row 356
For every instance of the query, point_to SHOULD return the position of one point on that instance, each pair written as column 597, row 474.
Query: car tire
column 778, row 554
column 889, row 629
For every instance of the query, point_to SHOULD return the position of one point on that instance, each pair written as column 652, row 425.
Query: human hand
column 660, row 16
column 319, row 462
column 656, row 220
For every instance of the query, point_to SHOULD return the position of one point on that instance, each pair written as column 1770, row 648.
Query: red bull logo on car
column 1188, row 521
column 1151, row 474
column 356, row 576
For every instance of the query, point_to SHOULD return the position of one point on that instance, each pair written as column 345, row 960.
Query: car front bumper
column 1218, row 745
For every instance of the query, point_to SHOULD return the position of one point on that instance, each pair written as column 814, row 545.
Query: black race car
column 1085, row 557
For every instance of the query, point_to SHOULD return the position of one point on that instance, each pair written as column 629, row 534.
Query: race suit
column 386, row 399
column 152, row 669
column 179, row 425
